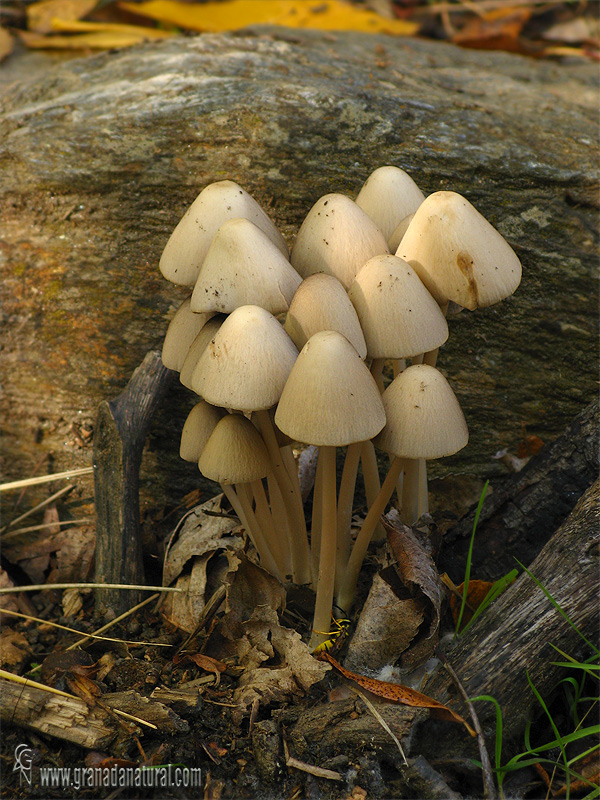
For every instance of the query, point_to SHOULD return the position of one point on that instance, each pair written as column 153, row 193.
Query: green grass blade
column 559, row 740
column 469, row 557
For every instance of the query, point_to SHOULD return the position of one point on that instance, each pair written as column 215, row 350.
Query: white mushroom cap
column 330, row 397
column 397, row 314
column 182, row 330
column 388, row 195
column 242, row 267
column 424, row 418
column 336, row 237
column 247, row 363
column 188, row 244
column 457, row 254
column 235, row 452
column 399, row 231
column 198, row 346
column 321, row 304
column 197, row 429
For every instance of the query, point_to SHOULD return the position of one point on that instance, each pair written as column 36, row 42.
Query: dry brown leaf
column 386, row 627
column 7, row 601
column 476, row 594
column 498, row 29
column 398, row 693
column 40, row 15
column 14, row 650
column 420, row 577
column 265, row 639
column 200, row 660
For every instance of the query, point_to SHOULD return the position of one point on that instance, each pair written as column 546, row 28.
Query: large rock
column 101, row 156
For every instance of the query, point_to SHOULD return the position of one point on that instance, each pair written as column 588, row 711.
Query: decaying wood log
column 523, row 511
column 64, row 718
column 512, row 637
column 150, row 710
column 121, row 428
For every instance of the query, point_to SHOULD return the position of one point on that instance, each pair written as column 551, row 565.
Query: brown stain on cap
column 465, row 265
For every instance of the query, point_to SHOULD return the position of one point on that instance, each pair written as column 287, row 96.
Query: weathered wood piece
column 69, row 719
column 515, row 634
column 121, row 429
column 521, row 513
column 101, row 156
column 148, row 709
column 512, row 637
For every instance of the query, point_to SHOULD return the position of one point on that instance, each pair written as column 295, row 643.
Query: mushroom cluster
column 290, row 348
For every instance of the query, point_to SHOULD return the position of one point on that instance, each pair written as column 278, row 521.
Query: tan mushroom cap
column 242, row 267
column 235, row 452
column 424, row 418
column 198, row 346
column 247, row 363
column 188, row 244
column 337, row 238
column 330, row 397
column 389, row 195
column 322, row 304
column 458, row 254
column 182, row 330
column 398, row 316
column 399, row 231
column 197, row 429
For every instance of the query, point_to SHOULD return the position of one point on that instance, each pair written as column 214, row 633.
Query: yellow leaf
column 330, row 15
column 96, row 40
column 6, row 44
column 39, row 15
column 79, row 26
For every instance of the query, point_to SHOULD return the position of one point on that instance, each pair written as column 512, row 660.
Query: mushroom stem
column 344, row 509
column 292, row 501
column 370, row 476
column 325, row 584
column 398, row 365
column 275, row 540
column 241, row 506
column 410, row 491
column 315, row 527
column 345, row 596
column 280, row 522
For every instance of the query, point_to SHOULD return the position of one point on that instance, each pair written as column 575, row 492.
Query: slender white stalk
column 275, row 540
column 292, row 501
column 410, row 491
column 345, row 596
column 377, row 372
column 370, row 472
column 324, row 600
column 239, row 503
column 315, row 526
column 398, row 365
column 280, row 522
column 344, row 508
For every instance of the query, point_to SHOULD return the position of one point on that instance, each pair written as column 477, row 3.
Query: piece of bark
column 514, row 636
column 492, row 657
column 69, row 719
column 523, row 511
column 148, row 709
column 121, row 429
column 291, row 115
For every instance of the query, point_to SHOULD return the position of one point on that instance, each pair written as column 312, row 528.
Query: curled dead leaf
column 397, row 693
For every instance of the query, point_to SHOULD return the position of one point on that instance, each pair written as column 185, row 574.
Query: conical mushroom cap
column 182, row 330
column 336, row 237
column 388, row 195
column 330, row 397
column 397, row 314
column 399, row 231
column 197, row 429
column 247, row 363
column 188, row 244
column 198, row 346
column 242, row 267
column 424, row 419
column 321, row 304
column 457, row 254
column 235, row 452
